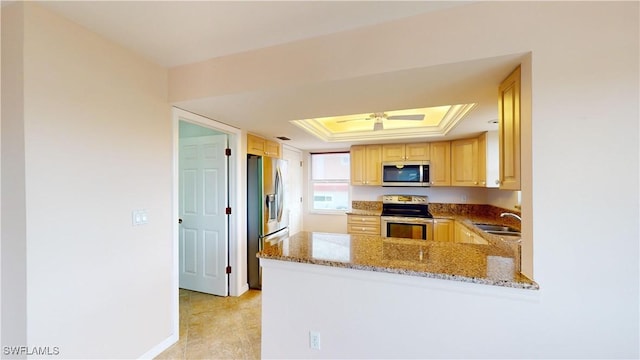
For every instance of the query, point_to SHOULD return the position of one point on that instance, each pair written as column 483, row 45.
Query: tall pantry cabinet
column 509, row 131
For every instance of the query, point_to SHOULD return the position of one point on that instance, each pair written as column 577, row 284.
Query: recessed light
column 495, row 121
column 284, row 138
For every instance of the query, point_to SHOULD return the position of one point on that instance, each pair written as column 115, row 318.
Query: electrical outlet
column 314, row 340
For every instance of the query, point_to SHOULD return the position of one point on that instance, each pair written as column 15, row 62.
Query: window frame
column 312, row 182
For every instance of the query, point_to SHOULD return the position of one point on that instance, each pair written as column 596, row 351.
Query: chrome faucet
column 511, row 214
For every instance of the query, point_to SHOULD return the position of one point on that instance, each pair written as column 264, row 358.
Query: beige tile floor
column 213, row 327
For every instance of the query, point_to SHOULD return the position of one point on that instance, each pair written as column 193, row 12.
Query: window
column 330, row 181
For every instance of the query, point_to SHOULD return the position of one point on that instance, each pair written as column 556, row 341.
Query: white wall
column 456, row 195
column 503, row 198
column 581, row 120
column 13, row 224
column 97, row 145
column 372, row 315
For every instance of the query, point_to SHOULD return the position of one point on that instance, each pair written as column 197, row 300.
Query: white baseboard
column 241, row 290
column 158, row 349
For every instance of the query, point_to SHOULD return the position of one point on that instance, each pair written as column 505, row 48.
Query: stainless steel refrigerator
column 267, row 216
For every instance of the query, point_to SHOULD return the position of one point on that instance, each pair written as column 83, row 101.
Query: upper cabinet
column 263, row 147
column 366, row 165
column 403, row 152
column 440, row 167
column 468, row 162
column 509, row 131
column 464, row 162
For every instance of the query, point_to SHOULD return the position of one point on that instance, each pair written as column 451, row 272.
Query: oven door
column 409, row 228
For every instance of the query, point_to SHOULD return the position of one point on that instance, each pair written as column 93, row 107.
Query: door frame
column 237, row 220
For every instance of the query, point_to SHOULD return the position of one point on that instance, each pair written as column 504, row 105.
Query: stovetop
column 406, row 206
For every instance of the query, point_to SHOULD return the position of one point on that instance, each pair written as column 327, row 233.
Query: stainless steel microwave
column 405, row 173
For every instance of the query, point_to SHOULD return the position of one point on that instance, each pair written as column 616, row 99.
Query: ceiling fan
column 378, row 117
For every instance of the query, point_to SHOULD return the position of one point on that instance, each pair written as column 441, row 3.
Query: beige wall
column 97, row 145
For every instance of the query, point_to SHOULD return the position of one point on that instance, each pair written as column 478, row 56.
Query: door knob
column 179, row 221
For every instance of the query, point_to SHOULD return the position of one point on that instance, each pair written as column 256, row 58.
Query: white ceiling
column 175, row 33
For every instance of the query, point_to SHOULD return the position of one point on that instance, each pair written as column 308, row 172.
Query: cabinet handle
column 475, row 183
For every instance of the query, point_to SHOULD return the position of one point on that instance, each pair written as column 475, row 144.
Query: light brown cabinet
column 509, row 131
column 469, row 161
column 466, row 236
column 263, row 147
column 366, row 165
column 440, row 168
column 443, row 230
column 404, row 152
column 363, row 224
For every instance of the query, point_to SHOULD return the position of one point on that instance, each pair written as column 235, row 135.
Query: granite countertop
column 481, row 264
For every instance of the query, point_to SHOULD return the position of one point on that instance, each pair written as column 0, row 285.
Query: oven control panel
column 405, row 199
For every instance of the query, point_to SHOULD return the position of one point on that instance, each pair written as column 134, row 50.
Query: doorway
column 235, row 240
column 202, row 200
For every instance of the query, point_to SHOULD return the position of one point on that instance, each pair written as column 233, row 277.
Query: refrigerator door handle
column 279, row 194
column 282, row 233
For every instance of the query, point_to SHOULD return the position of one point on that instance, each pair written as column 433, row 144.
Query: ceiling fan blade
column 407, row 117
column 348, row 120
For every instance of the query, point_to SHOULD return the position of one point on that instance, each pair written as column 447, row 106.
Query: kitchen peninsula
column 481, row 264
column 367, row 296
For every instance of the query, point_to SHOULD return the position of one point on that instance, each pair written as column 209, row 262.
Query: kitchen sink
column 506, row 233
column 498, row 229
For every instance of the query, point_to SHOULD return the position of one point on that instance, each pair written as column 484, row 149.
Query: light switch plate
column 139, row 217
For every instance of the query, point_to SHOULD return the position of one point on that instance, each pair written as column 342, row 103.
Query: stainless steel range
column 406, row 216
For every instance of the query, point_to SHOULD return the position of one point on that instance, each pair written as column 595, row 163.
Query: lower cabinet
column 465, row 235
column 443, row 230
column 363, row 224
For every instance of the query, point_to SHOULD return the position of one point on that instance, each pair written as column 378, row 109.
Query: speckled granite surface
column 365, row 208
column 367, row 205
column 481, row 264
column 488, row 213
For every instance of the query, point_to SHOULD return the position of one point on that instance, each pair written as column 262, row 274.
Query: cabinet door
column 477, row 239
column 509, row 131
column 466, row 236
column 417, row 151
column 482, row 160
column 272, row 149
column 462, row 234
column 393, row 152
column 443, row 230
column 255, row 145
column 464, row 162
column 440, row 169
column 357, row 158
column 373, row 167
column 363, row 224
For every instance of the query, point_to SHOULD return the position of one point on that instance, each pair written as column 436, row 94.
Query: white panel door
column 203, row 200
